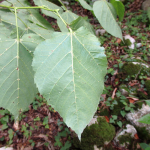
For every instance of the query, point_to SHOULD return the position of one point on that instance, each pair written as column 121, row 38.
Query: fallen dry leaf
column 107, row 119
column 114, row 93
column 136, row 136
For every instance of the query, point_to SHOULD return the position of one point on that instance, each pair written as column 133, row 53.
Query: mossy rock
column 128, row 142
column 147, row 85
column 96, row 134
column 133, row 69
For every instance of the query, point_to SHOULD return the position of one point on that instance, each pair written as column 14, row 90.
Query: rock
column 132, row 40
column 6, row 148
column 125, row 137
column 124, row 90
column 135, row 68
column 133, row 117
column 95, row 135
column 100, row 32
column 145, row 5
column 138, row 45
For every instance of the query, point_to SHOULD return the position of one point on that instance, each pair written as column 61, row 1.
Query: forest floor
column 42, row 128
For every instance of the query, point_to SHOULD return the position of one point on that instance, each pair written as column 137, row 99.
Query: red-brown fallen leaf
column 131, row 100
column 107, row 119
column 136, row 136
column 118, row 41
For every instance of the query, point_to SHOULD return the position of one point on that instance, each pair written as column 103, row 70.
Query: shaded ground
column 40, row 127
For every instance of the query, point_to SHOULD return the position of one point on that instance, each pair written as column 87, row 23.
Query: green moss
column 143, row 134
column 104, row 112
column 147, row 85
column 125, row 140
column 133, row 69
column 96, row 134
column 128, row 142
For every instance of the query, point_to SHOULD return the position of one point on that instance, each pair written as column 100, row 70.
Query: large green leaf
column 119, row 8
column 48, row 5
column 105, row 14
column 69, row 73
column 68, row 16
column 145, row 119
column 85, row 4
column 17, row 88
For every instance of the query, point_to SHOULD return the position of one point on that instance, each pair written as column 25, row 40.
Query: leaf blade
column 68, row 78
column 106, row 17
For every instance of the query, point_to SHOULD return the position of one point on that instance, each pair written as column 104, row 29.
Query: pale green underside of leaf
column 85, row 4
column 48, row 5
column 106, row 17
column 39, row 26
column 79, row 22
column 68, row 16
column 145, row 119
column 17, row 88
column 69, row 73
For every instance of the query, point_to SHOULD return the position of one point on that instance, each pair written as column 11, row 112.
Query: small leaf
column 114, row 117
column 147, row 102
column 119, row 124
column 5, row 126
column 85, row 4
column 106, row 16
column 118, row 5
column 123, row 113
column 145, row 119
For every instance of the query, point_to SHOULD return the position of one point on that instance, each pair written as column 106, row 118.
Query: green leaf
column 5, row 126
column 66, row 146
column 119, row 123
column 17, row 88
column 30, row 41
column 123, row 113
column 118, row 5
column 144, row 145
column 145, row 119
column 48, row 5
column 85, row 4
column 25, row 16
column 147, row 102
column 69, row 73
column 68, row 16
column 106, row 16
column 148, row 12
column 79, row 22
